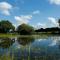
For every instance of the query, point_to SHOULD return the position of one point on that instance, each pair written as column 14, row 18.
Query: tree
column 59, row 22
column 25, row 29
column 6, row 26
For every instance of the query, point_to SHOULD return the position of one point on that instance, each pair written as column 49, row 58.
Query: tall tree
column 25, row 29
column 59, row 22
column 6, row 26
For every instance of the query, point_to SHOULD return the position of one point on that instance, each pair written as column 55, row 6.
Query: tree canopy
column 25, row 29
column 6, row 26
column 59, row 22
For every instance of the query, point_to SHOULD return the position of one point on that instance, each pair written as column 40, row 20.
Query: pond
column 30, row 48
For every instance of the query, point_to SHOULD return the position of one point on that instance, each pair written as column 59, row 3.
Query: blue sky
column 38, row 13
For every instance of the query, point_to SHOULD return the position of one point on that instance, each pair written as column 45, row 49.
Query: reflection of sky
column 51, row 41
column 42, row 42
column 49, row 44
column 16, row 45
column 55, row 40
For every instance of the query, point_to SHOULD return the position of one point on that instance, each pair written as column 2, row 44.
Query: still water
column 30, row 48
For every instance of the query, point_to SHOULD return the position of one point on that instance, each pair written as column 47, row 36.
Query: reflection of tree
column 58, row 44
column 25, row 40
column 6, row 42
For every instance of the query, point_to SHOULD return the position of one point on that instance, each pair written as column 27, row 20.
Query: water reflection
column 22, row 48
column 6, row 42
column 28, row 48
column 25, row 40
column 55, row 41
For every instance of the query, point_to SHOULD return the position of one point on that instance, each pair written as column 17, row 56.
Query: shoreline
column 33, row 35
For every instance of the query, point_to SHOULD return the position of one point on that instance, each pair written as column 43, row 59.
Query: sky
column 37, row 13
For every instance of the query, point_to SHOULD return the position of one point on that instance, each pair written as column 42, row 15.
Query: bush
column 25, row 29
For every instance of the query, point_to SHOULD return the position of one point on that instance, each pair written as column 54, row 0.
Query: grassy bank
column 8, row 35
column 17, row 35
column 33, row 35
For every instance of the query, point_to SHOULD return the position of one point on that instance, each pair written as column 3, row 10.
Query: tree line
column 24, row 29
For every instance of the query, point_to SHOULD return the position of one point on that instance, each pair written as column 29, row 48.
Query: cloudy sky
column 38, row 13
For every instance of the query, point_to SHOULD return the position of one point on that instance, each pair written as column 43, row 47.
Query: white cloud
column 5, row 12
column 40, row 25
column 53, row 21
column 57, row 2
column 36, row 12
column 5, row 7
column 23, row 19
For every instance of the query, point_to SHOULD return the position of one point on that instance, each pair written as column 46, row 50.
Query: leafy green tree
column 59, row 22
column 25, row 29
column 6, row 26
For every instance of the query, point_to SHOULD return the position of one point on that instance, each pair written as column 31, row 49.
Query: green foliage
column 59, row 22
column 5, row 26
column 25, row 29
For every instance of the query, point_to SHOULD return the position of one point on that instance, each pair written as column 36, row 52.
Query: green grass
column 8, row 35
column 16, row 35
